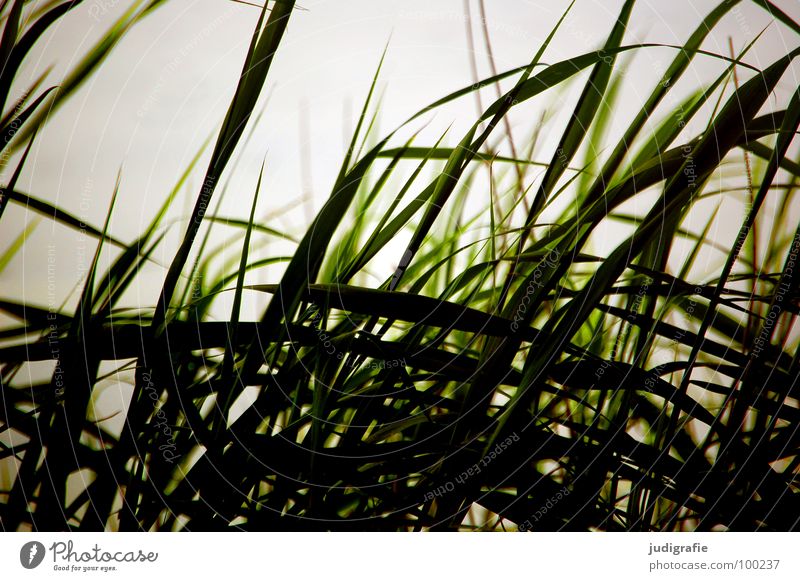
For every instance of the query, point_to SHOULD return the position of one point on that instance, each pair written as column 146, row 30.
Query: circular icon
column 31, row 554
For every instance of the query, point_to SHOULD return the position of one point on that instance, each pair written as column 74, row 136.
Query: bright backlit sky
column 166, row 87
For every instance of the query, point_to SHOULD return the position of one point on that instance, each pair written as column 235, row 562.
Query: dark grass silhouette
column 512, row 378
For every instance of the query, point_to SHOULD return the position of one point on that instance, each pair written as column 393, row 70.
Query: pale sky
column 166, row 87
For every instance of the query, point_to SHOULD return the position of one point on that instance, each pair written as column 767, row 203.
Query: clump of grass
column 505, row 375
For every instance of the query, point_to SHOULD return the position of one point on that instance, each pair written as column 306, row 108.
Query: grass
column 511, row 373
